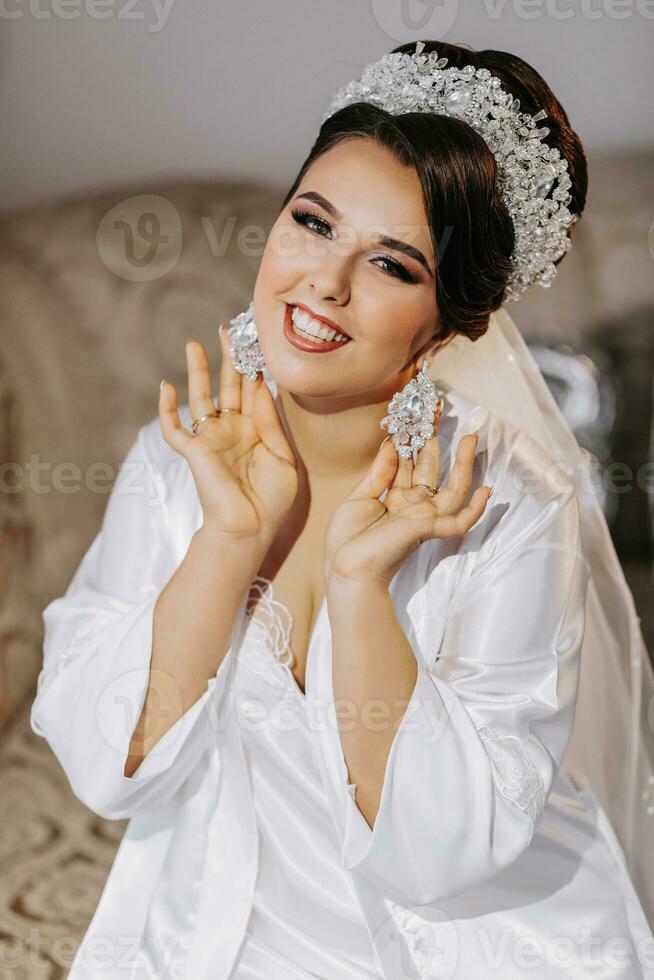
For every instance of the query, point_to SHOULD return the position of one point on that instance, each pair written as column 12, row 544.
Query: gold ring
column 431, row 490
column 203, row 418
column 216, row 412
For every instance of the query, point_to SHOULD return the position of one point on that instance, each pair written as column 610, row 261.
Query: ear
column 433, row 345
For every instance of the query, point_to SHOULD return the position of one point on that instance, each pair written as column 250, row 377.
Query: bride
column 365, row 718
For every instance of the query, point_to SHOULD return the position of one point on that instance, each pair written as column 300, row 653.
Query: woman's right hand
column 243, row 466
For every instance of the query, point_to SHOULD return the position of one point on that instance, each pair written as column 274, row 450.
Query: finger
column 454, row 525
column 269, row 425
column 229, row 381
column 172, row 429
column 404, row 474
column 427, row 468
column 460, row 478
column 248, row 393
column 380, row 475
column 199, row 380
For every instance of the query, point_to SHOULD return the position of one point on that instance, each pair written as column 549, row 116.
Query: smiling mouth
column 303, row 332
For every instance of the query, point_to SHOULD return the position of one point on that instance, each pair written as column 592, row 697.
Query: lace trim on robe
column 518, row 779
column 267, row 650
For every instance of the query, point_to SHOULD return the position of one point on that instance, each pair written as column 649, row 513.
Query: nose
column 330, row 281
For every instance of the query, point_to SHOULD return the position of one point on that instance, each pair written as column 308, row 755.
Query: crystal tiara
column 527, row 168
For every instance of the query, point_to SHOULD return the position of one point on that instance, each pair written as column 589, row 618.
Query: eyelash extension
column 303, row 218
column 398, row 270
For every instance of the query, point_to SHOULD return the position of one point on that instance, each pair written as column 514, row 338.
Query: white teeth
column 314, row 328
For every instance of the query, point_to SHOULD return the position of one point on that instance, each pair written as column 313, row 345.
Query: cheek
column 284, row 250
column 391, row 318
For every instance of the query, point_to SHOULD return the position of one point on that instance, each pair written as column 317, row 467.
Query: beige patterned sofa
column 98, row 294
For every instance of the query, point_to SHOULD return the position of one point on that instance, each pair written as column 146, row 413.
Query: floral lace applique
column 266, row 649
column 518, row 779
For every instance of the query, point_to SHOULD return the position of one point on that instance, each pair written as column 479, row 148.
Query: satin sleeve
column 473, row 760
column 97, row 651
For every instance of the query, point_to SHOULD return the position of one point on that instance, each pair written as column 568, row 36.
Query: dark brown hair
column 471, row 229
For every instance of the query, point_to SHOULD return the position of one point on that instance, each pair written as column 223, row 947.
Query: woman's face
column 382, row 295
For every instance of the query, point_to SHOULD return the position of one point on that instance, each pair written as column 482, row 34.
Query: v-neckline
column 308, row 667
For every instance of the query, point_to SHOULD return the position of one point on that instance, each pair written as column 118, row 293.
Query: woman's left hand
column 368, row 540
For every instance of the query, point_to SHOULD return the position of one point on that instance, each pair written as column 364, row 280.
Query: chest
column 295, row 589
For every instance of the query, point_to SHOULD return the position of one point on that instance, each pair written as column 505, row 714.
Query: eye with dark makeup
column 394, row 268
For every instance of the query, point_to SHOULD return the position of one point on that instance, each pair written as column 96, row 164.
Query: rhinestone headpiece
column 527, row 168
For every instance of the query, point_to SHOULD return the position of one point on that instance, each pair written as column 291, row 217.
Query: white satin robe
column 484, row 860
column 306, row 920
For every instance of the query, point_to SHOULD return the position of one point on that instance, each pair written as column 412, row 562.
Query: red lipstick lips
column 304, row 343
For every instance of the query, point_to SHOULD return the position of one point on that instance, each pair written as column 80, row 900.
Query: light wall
column 97, row 92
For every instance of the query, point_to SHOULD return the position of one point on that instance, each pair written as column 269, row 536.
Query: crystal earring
column 244, row 348
column 411, row 414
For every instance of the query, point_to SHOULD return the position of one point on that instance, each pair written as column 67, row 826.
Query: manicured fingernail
column 161, row 385
column 491, row 491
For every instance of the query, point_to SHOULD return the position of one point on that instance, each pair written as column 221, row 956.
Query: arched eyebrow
column 395, row 243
